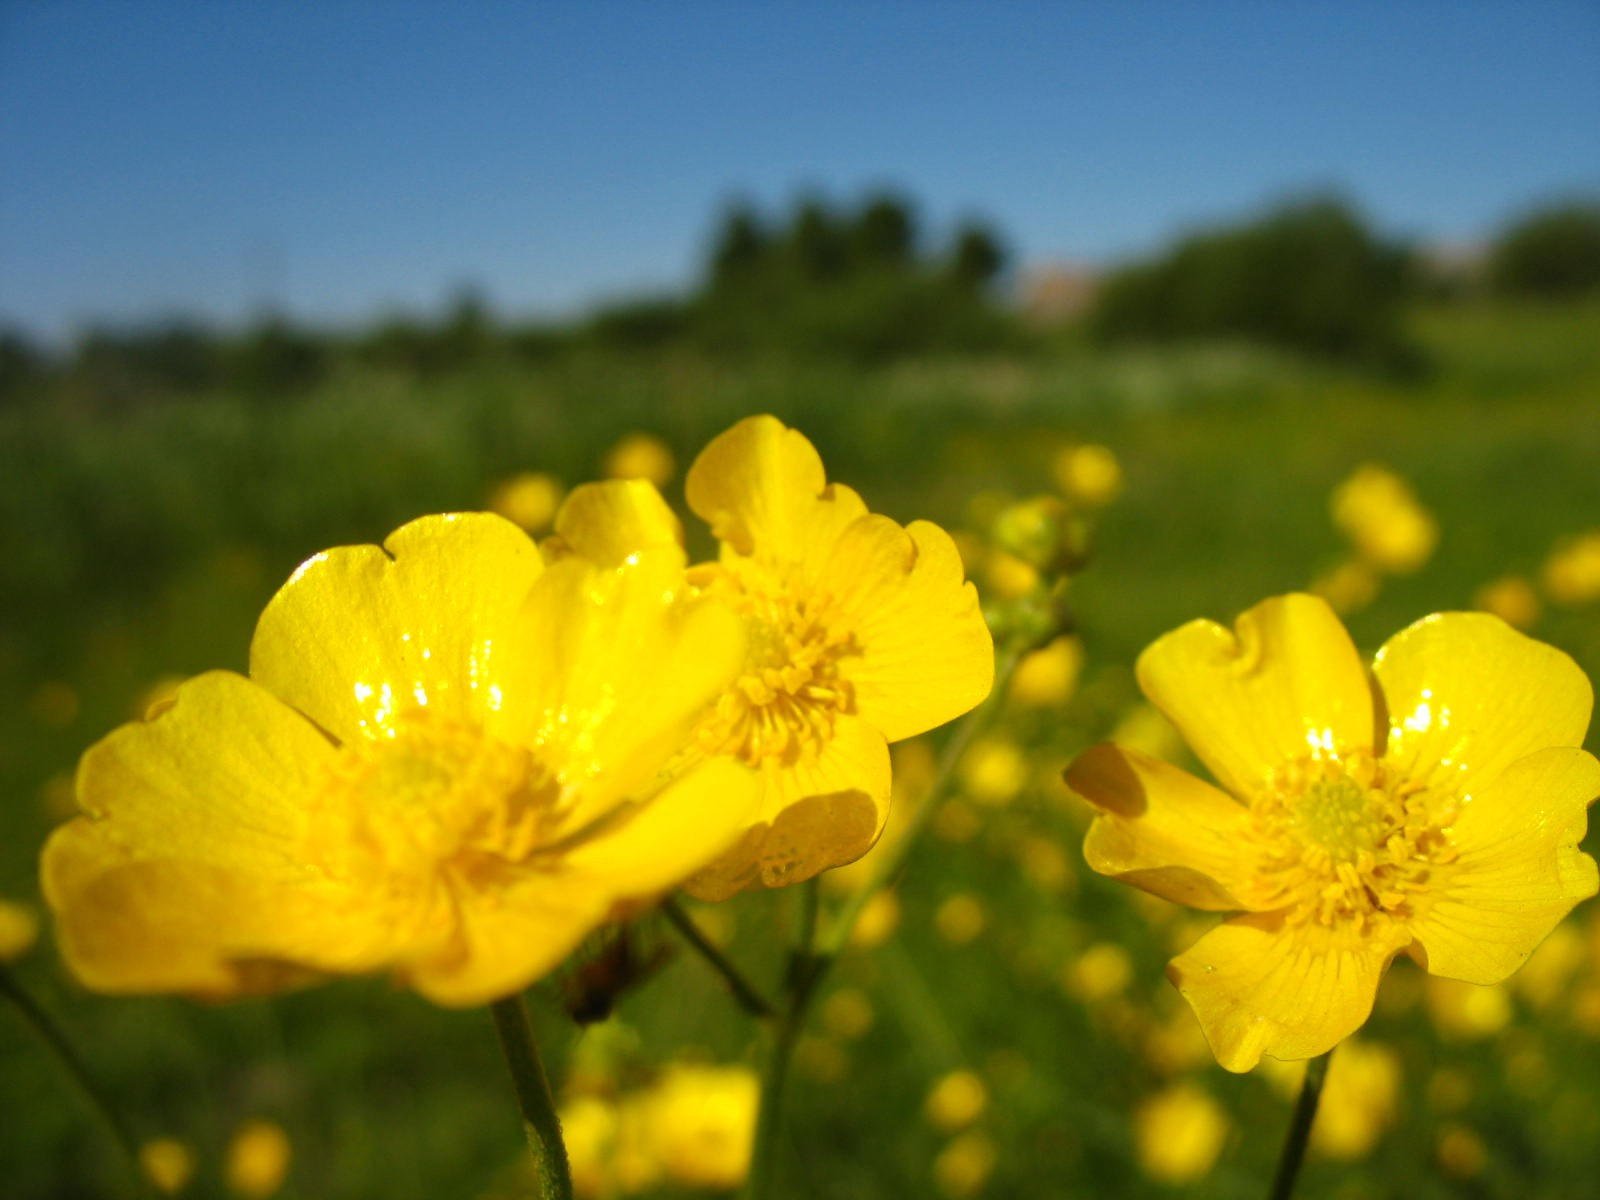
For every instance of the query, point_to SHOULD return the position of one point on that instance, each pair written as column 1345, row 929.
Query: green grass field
column 141, row 545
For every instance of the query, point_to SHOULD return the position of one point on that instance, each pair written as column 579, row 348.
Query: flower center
column 1345, row 841
column 792, row 689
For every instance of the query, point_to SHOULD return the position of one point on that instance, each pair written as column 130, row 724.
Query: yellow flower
column 1102, row 971
column 994, row 770
column 955, row 1101
column 1359, row 1100
column 859, row 633
column 1511, row 598
column 1179, row 1133
column 1089, row 474
column 960, row 919
column 168, row 1164
column 703, row 1124
column 1467, row 1011
column 1434, row 806
column 847, row 1014
column 1572, row 572
column 640, row 456
column 1378, row 512
column 258, row 1159
column 879, row 918
column 1461, row 1152
column 1046, row 678
column 447, row 763
column 963, row 1167
column 589, row 1130
column 1348, row 587
column 19, row 930
column 529, row 499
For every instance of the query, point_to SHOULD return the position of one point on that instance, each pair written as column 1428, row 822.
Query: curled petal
column 610, row 521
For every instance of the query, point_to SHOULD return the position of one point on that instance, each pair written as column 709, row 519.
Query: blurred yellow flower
column 431, row 771
column 960, row 919
column 859, row 633
column 168, row 1164
column 1088, row 474
column 821, row 1059
column 703, row 1124
column 879, row 918
column 529, row 499
column 1461, row 1152
column 1467, row 1011
column 1511, row 598
column 993, row 770
column 1450, row 832
column 956, row 821
column 1006, row 576
column 1102, row 971
column 1546, row 976
column 963, row 1167
column 640, row 456
column 1572, row 572
column 1360, row 1098
column 1145, row 728
column 589, row 1129
column 1378, row 512
column 19, row 929
column 1047, row 678
column 1045, row 863
column 955, row 1101
column 847, row 1014
column 1348, row 587
column 1179, row 1133
column 257, row 1160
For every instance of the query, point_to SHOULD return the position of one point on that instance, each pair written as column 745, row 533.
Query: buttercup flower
column 1379, row 513
column 1433, row 806
column 859, row 632
column 447, row 763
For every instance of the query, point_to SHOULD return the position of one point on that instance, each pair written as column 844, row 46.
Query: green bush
column 1554, row 252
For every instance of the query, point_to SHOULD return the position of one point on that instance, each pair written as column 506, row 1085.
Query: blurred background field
column 1284, row 395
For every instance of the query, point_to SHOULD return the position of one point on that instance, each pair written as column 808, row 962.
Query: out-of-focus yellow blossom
column 589, row 1129
column 1179, row 1133
column 956, row 821
column 1045, row 863
column 1511, row 598
column 19, row 929
column 1046, row 678
column 156, row 698
column 1586, row 1009
column 878, row 920
column 1378, row 512
column 1545, row 979
column 1571, row 574
column 960, row 919
column 431, row 771
column 860, row 632
column 955, row 1101
column 1449, row 1090
column 1006, row 576
column 994, row 770
column 963, row 1167
column 54, row 704
column 1088, row 474
column 1359, row 1098
column 1102, row 971
column 1348, row 587
column 640, row 456
column 1451, row 831
column 1461, row 1152
column 1176, row 1044
column 847, row 1014
column 529, row 499
column 1468, row 1011
column 703, row 1124
column 168, row 1164
column 1144, row 728
column 821, row 1059
column 257, row 1160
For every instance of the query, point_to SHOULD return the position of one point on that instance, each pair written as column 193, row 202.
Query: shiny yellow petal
column 1286, row 682
column 608, row 522
column 762, row 489
column 1519, row 871
column 617, row 663
column 185, row 873
column 1260, row 986
column 823, row 810
column 1161, row 829
column 361, row 633
column 924, row 654
column 1467, row 695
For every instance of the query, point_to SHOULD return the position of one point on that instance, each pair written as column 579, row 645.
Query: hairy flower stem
column 52, row 1035
column 811, row 959
column 1305, row 1112
column 539, row 1120
column 747, row 995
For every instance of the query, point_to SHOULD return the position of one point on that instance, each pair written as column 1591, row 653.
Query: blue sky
column 341, row 160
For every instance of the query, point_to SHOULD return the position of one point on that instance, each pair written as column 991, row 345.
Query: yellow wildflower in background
column 860, row 632
column 1047, row 677
column 963, row 1167
column 641, row 456
column 19, row 929
column 1379, row 513
column 1571, row 574
column 955, row 1101
column 168, row 1164
column 258, row 1159
column 447, row 763
column 1179, row 1132
column 703, row 1124
column 1348, row 587
column 1360, row 1098
column 1467, row 1011
column 529, row 499
column 1511, row 598
column 993, row 770
column 1433, row 807
column 1088, row 474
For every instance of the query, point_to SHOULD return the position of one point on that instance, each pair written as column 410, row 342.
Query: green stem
column 539, row 1120
column 1305, row 1112
column 746, row 993
column 56, row 1040
column 812, row 958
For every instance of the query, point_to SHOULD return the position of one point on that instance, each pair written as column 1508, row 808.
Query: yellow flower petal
column 1467, row 695
column 362, row 632
column 925, row 653
column 1519, row 872
column 1285, row 683
column 823, row 810
column 184, row 874
column 1161, row 829
column 1261, row 986
column 607, row 522
column 762, row 489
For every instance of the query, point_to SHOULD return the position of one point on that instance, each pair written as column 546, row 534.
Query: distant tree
column 740, row 247
column 1553, row 252
column 276, row 359
column 22, row 365
column 884, row 233
column 817, row 242
column 977, row 258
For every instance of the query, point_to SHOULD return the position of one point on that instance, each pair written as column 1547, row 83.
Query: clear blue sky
column 342, row 159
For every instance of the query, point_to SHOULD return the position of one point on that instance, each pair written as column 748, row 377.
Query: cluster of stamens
column 1344, row 841
column 792, row 689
